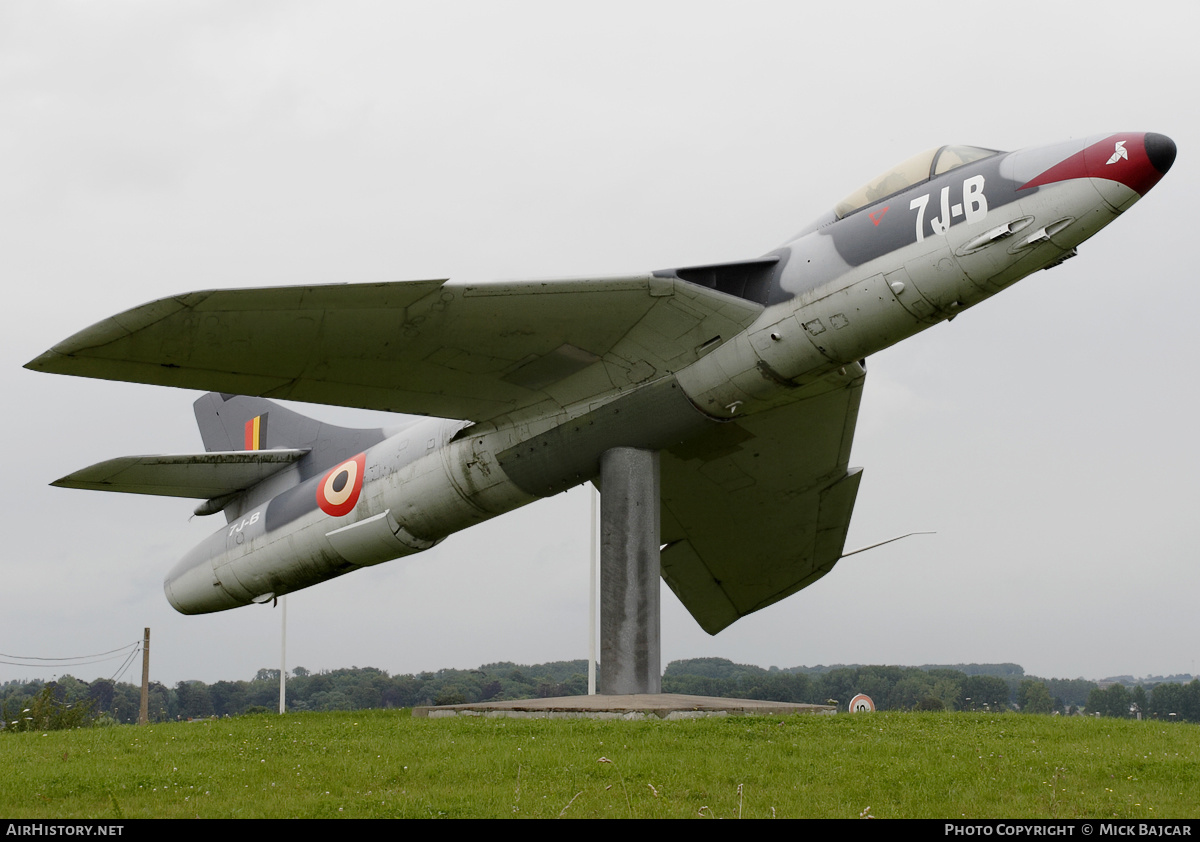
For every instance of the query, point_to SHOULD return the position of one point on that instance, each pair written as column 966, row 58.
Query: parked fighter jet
column 744, row 376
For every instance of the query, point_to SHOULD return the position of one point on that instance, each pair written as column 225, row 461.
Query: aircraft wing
column 418, row 347
column 768, row 514
column 197, row 475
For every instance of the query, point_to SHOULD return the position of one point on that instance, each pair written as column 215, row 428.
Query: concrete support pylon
column 630, row 573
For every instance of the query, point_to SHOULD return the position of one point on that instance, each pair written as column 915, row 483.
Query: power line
column 128, row 661
column 73, row 661
column 35, row 657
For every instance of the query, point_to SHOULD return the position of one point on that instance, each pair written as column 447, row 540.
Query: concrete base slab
column 646, row 706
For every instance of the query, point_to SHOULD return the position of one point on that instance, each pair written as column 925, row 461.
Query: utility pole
column 144, row 713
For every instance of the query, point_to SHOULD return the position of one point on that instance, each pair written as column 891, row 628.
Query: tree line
column 69, row 702
column 961, row 687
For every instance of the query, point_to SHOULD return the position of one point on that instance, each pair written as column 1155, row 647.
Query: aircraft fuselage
column 856, row 281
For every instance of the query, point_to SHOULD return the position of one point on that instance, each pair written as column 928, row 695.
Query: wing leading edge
column 766, row 516
column 418, row 347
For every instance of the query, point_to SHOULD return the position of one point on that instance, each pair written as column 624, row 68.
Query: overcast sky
column 1048, row 435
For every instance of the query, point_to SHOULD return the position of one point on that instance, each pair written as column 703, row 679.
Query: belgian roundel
column 338, row 490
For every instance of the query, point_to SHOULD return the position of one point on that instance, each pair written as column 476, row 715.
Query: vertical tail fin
column 238, row 422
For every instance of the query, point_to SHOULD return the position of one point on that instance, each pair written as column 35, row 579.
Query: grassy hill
column 387, row 764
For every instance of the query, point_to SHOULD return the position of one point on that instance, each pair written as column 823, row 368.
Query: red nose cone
column 1137, row 160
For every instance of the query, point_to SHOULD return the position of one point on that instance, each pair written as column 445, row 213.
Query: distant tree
column 699, row 685
column 717, row 668
column 1111, row 701
column 69, row 688
column 50, row 710
column 840, row 685
column 984, row 692
column 779, row 686
column 909, row 692
column 329, row 700
column 575, row 685
column 1138, row 700
column 877, row 682
column 264, row 694
column 947, row 687
column 161, row 704
column 404, row 691
column 127, row 703
column 103, row 693
column 450, row 696
column 549, row 690
column 364, row 694
column 194, row 699
column 228, row 697
column 999, row 670
column 1190, row 697
column 1167, row 702
column 1072, row 691
column 1033, row 697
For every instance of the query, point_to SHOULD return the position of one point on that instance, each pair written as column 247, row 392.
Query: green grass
column 387, row 764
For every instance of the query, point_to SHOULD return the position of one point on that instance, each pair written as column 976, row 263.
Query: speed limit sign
column 861, row 704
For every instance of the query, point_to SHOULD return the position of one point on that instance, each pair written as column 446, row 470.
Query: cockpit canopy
column 915, row 170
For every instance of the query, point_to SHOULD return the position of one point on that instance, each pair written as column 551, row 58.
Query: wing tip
column 46, row 361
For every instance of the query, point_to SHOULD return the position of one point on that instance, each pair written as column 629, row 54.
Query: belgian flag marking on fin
column 256, row 432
